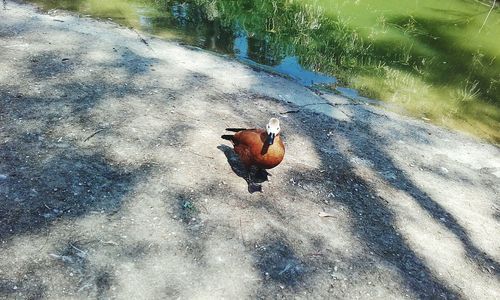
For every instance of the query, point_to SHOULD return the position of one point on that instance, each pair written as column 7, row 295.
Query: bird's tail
column 228, row 137
column 235, row 129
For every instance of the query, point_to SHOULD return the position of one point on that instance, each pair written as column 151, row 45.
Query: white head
column 273, row 126
column 273, row 129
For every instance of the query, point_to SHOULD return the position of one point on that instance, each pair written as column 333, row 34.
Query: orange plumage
column 251, row 147
column 258, row 147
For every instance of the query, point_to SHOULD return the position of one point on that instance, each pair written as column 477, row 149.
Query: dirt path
column 114, row 182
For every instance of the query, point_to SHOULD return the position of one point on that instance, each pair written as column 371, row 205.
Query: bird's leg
column 252, row 185
column 261, row 175
column 249, row 174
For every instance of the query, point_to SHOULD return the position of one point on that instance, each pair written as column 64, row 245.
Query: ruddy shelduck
column 262, row 148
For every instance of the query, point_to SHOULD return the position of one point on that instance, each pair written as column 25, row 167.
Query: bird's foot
column 254, row 187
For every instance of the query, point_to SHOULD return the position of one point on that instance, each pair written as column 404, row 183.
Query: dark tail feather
column 235, row 129
column 228, row 137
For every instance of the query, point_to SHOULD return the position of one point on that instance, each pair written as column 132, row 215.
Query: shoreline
column 470, row 125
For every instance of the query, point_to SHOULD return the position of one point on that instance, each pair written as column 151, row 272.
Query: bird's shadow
column 254, row 178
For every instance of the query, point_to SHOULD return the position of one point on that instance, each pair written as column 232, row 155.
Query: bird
column 261, row 148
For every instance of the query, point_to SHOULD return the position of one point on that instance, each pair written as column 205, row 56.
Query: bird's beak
column 270, row 138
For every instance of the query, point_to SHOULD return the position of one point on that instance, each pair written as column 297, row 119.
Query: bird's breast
column 269, row 156
column 253, row 150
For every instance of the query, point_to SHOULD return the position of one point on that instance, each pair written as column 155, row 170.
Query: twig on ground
column 112, row 243
column 77, row 249
column 90, row 136
column 321, row 103
column 204, row 207
column 85, row 286
column 190, row 151
column 291, row 111
column 143, row 40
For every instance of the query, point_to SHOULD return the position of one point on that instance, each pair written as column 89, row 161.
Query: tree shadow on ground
column 49, row 178
column 382, row 162
column 68, row 186
column 373, row 220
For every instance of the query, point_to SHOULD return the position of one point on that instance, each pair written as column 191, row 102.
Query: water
column 433, row 58
column 289, row 65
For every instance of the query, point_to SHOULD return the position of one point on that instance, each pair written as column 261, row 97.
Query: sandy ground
column 114, row 182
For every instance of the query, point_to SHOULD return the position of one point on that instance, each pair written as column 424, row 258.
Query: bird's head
column 273, row 129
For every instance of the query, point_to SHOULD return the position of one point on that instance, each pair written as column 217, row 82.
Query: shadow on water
column 466, row 63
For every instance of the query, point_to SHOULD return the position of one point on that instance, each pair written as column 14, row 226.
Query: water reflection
column 289, row 65
column 426, row 56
